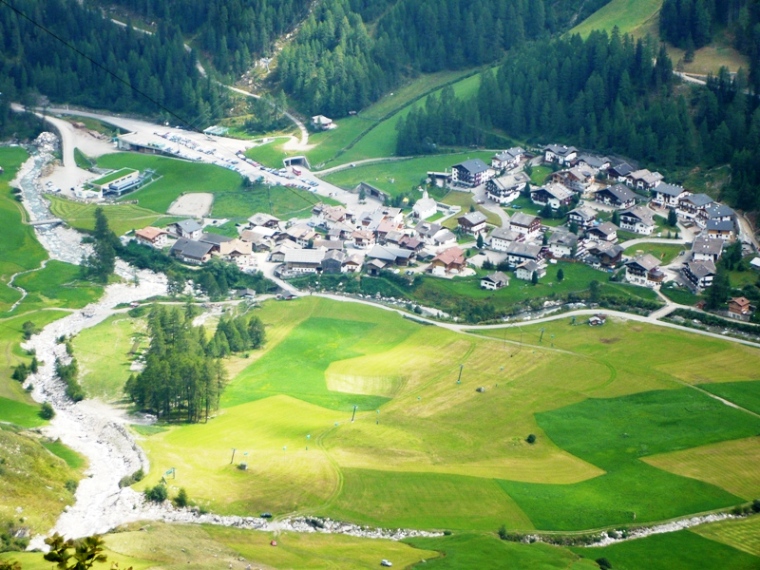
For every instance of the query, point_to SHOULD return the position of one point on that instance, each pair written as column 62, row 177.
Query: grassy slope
column 400, row 176
column 103, row 353
column 642, row 17
column 20, row 250
column 33, row 479
column 745, row 394
column 279, row 201
column 435, row 436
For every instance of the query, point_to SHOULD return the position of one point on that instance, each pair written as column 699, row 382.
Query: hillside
column 642, row 17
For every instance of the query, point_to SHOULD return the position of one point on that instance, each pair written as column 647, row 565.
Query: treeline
column 234, row 32
column 34, row 62
column 215, row 278
column 609, row 93
column 335, row 65
column 183, row 376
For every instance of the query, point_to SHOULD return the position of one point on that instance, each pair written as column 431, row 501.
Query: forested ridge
column 34, row 61
column 234, row 32
column 692, row 24
column 609, row 93
column 336, row 65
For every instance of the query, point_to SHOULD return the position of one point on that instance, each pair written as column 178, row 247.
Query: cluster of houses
column 584, row 185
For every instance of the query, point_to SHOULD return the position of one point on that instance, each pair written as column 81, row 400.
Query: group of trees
column 33, row 61
column 608, row 92
column 266, row 114
column 183, row 376
column 100, row 265
column 692, row 24
column 336, row 65
column 234, row 33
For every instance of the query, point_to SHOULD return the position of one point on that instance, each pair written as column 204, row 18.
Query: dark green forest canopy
column 235, row 32
column 608, row 93
column 34, row 61
column 336, row 64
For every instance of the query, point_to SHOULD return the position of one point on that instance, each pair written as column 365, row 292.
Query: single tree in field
column 479, row 241
column 560, row 275
column 672, row 218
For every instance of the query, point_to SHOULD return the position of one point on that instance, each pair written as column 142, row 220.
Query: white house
column 502, row 238
column 638, row 219
column 494, row 281
column 560, row 153
column 527, row 269
column 425, row 207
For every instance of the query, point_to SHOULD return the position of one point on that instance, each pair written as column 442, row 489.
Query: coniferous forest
column 609, row 93
column 183, row 376
column 32, row 61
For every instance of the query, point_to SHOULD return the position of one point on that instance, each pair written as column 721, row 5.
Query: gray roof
column 428, row 229
column 557, row 191
column 389, row 253
column 620, row 193
column 646, row 261
column 214, row 239
column 189, row 226
column 522, row 219
column 605, row 228
column 335, row 254
column 644, row 214
column 473, row 166
column 520, row 249
column 707, row 246
column 560, row 149
column 314, row 256
column 530, row 265
column 563, row 238
column 622, row 169
column 583, row 212
column 593, row 160
column 504, row 233
column 473, row 218
column 718, row 210
column 720, row 225
column 669, row 189
column 701, row 269
column 698, row 200
column 191, row 248
column 497, row 277
column 510, row 153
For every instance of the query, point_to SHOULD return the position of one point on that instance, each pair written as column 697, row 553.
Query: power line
column 97, row 64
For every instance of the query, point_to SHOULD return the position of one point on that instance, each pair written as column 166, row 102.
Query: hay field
column 598, row 402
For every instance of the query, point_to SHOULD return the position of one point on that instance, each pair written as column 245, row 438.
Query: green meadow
column 279, row 201
column 424, row 451
column 400, row 176
column 744, row 394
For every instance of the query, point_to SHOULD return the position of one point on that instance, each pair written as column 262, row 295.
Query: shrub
column 604, row 563
column 531, row 438
column 756, row 506
column 157, row 494
column 181, row 499
column 129, row 480
column 46, row 411
column 71, row 485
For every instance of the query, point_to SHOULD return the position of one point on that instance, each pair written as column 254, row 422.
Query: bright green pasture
column 19, row 413
column 297, row 365
column 20, row 250
column 56, row 285
column 121, row 217
column 467, row 551
column 176, row 177
column 614, row 434
column 577, row 278
column 628, row 15
column 71, row 457
column 743, row 534
column 730, row 465
column 744, row 394
column 33, row 479
column 465, row 200
column 171, row 546
column 396, row 177
column 11, row 354
column 539, row 175
column 104, row 353
column 425, row 500
column 280, row 201
column 682, row 550
column 666, row 253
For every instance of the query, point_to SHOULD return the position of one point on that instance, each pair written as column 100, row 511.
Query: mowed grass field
column 280, row 201
column 104, row 354
column 402, row 176
column 426, row 452
column 742, row 534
